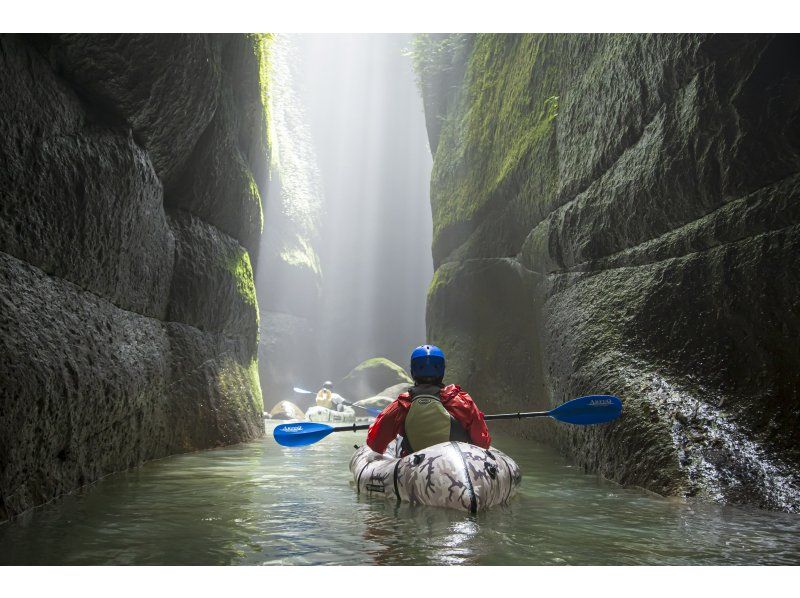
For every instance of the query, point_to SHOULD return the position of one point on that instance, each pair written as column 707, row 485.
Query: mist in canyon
column 345, row 256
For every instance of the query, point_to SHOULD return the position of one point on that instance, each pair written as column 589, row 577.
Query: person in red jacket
column 429, row 412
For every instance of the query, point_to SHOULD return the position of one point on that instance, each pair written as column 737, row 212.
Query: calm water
column 260, row 503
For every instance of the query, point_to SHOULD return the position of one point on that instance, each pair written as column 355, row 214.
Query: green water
column 260, row 503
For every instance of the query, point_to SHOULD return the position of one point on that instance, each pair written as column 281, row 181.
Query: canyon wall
column 289, row 274
column 132, row 169
column 621, row 214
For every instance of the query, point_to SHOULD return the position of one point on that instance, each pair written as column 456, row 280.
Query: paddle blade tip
column 589, row 410
column 294, row 434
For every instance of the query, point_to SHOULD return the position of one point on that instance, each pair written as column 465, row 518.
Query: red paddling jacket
column 458, row 404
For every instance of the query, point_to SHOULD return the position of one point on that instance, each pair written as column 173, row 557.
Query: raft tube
column 330, row 416
column 451, row 474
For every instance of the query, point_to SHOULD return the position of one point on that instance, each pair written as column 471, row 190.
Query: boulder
column 376, row 402
column 383, row 398
column 370, row 377
column 286, row 410
column 394, row 390
column 212, row 283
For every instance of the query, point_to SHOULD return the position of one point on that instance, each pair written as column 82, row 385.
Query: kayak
column 323, row 414
column 453, row 474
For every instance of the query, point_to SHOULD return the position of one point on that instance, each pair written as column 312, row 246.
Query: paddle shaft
column 353, row 428
column 356, row 428
column 516, row 415
column 523, row 415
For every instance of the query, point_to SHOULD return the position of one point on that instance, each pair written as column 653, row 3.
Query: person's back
column 329, row 399
column 429, row 412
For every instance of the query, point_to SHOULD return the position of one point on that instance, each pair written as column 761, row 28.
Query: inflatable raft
column 331, row 416
column 451, row 474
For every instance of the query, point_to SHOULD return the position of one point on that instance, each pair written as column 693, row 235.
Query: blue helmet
column 427, row 361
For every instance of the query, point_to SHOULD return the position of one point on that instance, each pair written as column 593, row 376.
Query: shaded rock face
column 371, row 377
column 165, row 87
column 128, row 320
column 285, row 339
column 440, row 60
column 289, row 297
column 289, row 275
column 619, row 214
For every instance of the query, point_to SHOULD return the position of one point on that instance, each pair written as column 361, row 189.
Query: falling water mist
column 346, row 258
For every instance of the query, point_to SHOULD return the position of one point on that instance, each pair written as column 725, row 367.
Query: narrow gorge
column 195, row 228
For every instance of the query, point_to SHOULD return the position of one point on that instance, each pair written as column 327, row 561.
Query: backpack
column 428, row 422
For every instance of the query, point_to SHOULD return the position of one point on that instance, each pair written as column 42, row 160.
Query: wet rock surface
column 212, row 283
column 618, row 214
column 289, row 272
column 126, row 334
column 286, row 410
column 165, row 87
column 382, row 399
column 371, row 377
column 79, row 201
column 285, row 339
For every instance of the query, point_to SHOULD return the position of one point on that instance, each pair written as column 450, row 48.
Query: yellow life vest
column 324, row 399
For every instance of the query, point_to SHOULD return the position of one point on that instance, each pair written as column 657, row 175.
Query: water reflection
column 408, row 534
column 264, row 504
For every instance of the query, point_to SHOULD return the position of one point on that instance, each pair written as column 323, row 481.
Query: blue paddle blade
column 584, row 411
column 300, row 433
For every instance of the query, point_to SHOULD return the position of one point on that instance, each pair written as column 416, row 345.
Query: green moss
column 377, row 362
column 262, row 44
column 302, row 255
column 255, row 384
column 442, row 278
column 371, row 377
column 255, row 193
column 498, row 131
column 376, row 365
column 242, row 272
column 434, row 56
column 240, row 387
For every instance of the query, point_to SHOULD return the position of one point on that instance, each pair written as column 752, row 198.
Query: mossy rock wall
column 289, row 274
column 371, row 377
column 126, row 333
column 619, row 214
